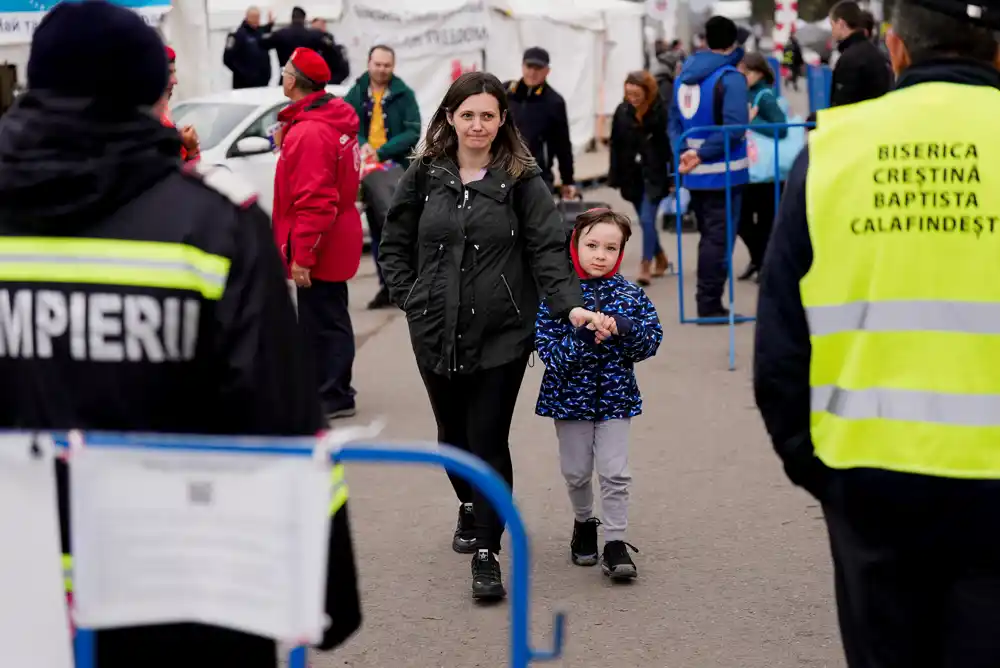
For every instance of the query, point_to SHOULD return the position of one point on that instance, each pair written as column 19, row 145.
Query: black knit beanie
column 94, row 49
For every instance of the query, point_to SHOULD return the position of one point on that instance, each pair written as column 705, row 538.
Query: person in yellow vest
column 877, row 367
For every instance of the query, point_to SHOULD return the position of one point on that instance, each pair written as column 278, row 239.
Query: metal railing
column 461, row 463
column 731, row 228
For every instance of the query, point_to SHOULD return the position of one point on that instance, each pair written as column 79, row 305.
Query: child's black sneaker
column 616, row 564
column 487, row 583
column 583, row 547
column 464, row 541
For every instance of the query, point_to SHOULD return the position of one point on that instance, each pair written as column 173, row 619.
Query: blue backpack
column 760, row 146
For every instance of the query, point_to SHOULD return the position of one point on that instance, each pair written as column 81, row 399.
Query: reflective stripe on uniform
column 67, row 568
column 967, row 410
column 113, row 262
column 720, row 167
column 338, row 489
column 905, row 316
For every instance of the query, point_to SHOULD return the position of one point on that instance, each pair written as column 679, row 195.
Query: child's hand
column 613, row 325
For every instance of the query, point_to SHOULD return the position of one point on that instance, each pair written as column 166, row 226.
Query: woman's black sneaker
column 583, row 547
column 615, row 562
column 464, row 541
column 487, row 583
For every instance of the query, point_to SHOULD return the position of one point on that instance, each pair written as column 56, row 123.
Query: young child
column 589, row 387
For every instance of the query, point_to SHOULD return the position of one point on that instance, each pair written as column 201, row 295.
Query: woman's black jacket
column 640, row 153
column 469, row 263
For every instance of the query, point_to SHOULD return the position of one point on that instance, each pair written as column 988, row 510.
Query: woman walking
column 758, row 210
column 472, row 240
column 640, row 159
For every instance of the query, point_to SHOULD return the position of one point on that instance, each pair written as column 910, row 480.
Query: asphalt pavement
column 734, row 566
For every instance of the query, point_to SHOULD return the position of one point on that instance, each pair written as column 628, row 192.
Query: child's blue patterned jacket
column 588, row 381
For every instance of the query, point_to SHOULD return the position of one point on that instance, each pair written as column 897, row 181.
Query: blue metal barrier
column 776, row 68
column 819, row 81
column 471, row 468
column 679, row 149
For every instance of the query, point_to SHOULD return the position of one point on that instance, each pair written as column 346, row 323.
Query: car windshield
column 212, row 120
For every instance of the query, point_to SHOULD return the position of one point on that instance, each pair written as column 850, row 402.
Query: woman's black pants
column 757, row 218
column 473, row 413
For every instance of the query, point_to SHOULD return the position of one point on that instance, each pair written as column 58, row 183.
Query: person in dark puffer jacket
column 590, row 390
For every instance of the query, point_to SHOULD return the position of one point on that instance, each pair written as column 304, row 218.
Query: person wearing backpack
column 757, row 210
column 472, row 242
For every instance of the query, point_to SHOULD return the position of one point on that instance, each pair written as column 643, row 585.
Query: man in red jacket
column 316, row 222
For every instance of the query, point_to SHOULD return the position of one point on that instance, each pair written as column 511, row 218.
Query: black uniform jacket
column 468, row 264
column 862, row 72
column 782, row 349
column 91, row 350
column 540, row 115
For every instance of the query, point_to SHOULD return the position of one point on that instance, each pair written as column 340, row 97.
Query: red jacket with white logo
column 316, row 223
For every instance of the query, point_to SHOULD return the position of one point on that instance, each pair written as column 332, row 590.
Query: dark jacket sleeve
column 353, row 98
column 616, row 169
column 545, row 239
column 781, row 347
column 334, row 57
column 401, row 144
column 265, row 385
column 657, row 153
column 397, row 248
column 232, row 57
column 560, row 142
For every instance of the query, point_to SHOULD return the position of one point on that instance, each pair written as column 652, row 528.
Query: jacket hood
column 66, row 164
column 702, row 64
column 334, row 112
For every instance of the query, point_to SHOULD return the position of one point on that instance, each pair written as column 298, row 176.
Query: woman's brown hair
column 508, row 150
column 755, row 62
column 588, row 219
column 647, row 83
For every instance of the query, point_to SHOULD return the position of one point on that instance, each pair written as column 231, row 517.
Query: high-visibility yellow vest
column 903, row 295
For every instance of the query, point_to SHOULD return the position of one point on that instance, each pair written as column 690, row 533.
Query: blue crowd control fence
column 731, row 226
column 776, row 68
column 469, row 467
column 819, row 80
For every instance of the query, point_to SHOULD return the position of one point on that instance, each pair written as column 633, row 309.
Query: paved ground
column 734, row 565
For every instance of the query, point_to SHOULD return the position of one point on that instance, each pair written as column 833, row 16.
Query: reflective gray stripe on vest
column 695, row 143
column 905, row 316
column 966, row 410
column 720, row 167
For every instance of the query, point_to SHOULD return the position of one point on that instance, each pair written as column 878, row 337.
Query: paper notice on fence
column 233, row 540
column 34, row 626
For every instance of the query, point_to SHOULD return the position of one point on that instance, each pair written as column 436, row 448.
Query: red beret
column 171, row 54
column 311, row 65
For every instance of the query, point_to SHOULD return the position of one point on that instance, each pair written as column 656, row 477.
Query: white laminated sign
column 230, row 539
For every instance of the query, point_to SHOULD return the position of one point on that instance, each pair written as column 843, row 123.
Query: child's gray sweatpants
column 585, row 446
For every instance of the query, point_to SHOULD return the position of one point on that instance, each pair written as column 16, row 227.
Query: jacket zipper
column 511, row 295
column 598, row 395
column 410, row 293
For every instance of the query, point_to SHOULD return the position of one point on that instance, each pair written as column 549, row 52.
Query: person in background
column 334, row 54
column 590, row 391
column 171, row 272
column 190, row 148
column 286, row 40
column 861, row 72
column 470, row 278
column 667, row 67
column 390, row 130
column 793, row 60
column 246, row 53
column 316, row 223
column 539, row 113
column 639, row 164
column 757, row 209
column 711, row 91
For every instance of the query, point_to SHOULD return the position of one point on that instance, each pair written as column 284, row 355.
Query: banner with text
column 454, row 27
column 19, row 18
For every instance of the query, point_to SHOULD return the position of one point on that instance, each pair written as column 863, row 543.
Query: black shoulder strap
column 718, row 93
column 319, row 102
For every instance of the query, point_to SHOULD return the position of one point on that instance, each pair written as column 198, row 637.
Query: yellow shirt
column 376, row 130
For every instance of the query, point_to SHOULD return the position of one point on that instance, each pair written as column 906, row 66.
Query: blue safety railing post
column 731, row 226
column 461, row 463
column 776, row 68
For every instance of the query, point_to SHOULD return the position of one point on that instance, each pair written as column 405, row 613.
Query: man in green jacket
column 390, row 129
